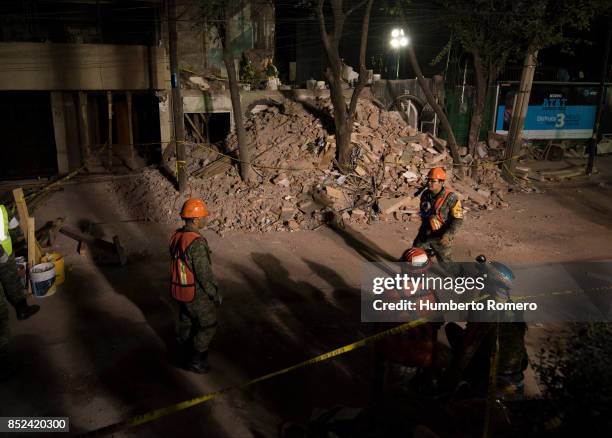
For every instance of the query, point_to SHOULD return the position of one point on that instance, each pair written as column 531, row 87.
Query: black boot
column 198, row 362
column 24, row 311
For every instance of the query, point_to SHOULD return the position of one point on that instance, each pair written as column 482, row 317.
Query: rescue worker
column 473, row 346
column 441, row 216
column 413, row 351
column 12, row 290
column 193, row 286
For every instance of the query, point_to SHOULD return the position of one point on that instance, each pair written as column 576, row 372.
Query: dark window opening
column 28, row 147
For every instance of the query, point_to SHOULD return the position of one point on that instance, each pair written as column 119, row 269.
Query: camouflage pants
column 11, row 291
column 444, row 254
column 197, row 320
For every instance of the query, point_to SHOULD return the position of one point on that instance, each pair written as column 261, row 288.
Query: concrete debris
column 281, row 180
column 465, row 189
column 388, row 206
column 333, row 192
column 308, row 206
column 199, row 82
column 410, row 176
column 481, row 150
column 497, row 141
column 294, row 156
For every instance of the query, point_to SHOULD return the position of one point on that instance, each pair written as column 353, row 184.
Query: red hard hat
column 417, row 257
column 437, row 173
column 193, row 208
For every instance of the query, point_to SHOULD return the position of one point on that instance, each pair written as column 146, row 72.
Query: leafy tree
column 540, row 25
column 484, row 29
column 247, row 72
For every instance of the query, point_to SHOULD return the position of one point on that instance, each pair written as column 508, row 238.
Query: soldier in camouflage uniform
column 193, row 286
column 473, row 346
column 12, row 290
column 441, row 216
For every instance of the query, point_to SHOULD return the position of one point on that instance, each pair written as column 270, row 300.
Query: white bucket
column 42, row 277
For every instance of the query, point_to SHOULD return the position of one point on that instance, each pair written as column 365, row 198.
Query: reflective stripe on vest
column 5, row 237
column 183, row 284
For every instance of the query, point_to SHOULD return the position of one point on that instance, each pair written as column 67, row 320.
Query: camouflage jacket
column 198, row 257
column 446, row 218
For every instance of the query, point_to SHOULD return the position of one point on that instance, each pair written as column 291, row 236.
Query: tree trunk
column 342, row 123
column 479, row 104
column 452, row 143
column 513, row 144
column 343, row 114
column 244, row 151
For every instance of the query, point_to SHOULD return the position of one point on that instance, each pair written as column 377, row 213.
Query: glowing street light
column 398, row 40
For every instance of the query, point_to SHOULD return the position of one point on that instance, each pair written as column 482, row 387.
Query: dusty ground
column 98, row 351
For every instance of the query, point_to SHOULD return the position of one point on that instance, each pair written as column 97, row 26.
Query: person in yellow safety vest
column 441, row 215
column 12, row 290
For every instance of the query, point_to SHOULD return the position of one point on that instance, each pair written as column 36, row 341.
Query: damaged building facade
column 78, row 76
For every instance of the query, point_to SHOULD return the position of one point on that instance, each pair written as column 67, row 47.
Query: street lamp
column 398, row 40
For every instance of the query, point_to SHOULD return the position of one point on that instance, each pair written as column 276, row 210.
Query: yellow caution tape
column 168, row 410
column 177, row 407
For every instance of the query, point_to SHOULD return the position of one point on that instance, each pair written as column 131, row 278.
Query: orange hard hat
column 437, row 173
column 193, row 208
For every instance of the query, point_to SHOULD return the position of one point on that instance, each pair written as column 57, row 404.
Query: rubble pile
column 294, row 154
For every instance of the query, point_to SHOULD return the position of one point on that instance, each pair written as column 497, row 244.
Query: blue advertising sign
column 554, row 112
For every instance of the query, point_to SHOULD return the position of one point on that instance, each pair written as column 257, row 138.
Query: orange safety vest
column 414, row 347
column 183, row 280
column 436, row 221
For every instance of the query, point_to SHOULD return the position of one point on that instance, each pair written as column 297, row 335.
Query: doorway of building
column 27, row 149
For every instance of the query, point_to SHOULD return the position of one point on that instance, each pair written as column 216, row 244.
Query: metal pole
column 596, row 137
column 513, row 144
column 397, row 67
column 177, row 101
column 109, row 144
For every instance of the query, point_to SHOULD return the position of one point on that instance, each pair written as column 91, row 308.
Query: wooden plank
column 32, row 258
column 223, row 164
column 195, row 129
column 84, row 119
column 24, row 216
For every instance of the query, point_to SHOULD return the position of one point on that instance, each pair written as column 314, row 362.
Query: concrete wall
column 46, row 66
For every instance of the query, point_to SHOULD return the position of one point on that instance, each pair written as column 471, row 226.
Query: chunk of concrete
column 389, row 205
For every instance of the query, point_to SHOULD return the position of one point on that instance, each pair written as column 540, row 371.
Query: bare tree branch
column 354, row 8
column 338, row 21
column 322, row 26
